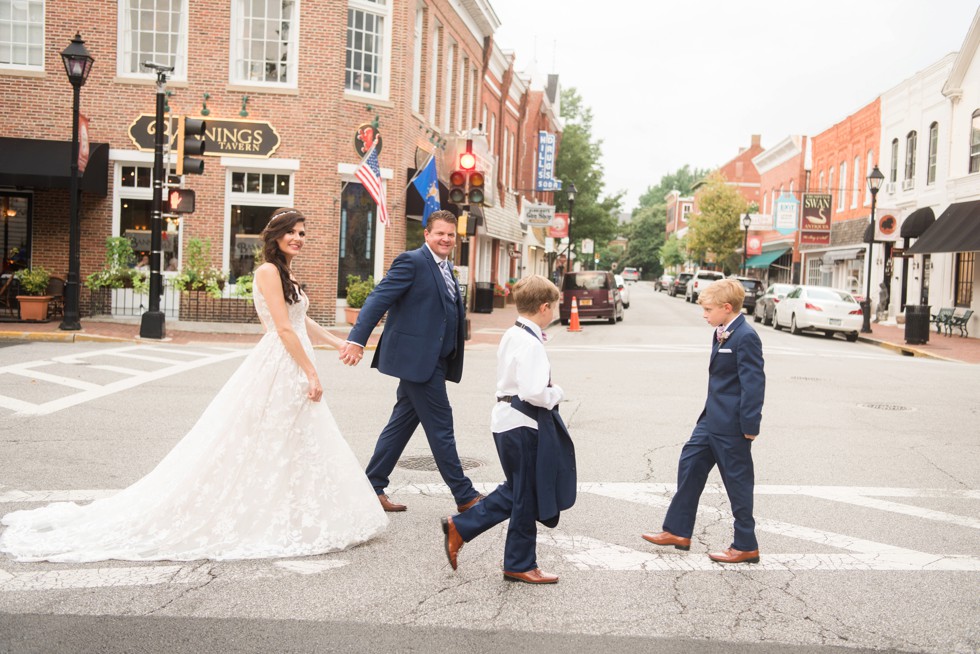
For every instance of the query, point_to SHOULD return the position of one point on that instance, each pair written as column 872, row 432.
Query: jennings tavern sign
column 222, row 138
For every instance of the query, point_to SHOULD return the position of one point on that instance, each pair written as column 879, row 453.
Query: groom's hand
column 351, row 354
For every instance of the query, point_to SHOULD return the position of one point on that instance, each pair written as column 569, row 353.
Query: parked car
column 819, row 308
column 679, row 285
column 624, row 290
column 663, row 282
column 631, row 274
column 701, row 280
column 765, row 306
column 753, row 289
column 596, row 293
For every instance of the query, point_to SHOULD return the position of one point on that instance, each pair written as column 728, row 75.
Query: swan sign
column 815, row 228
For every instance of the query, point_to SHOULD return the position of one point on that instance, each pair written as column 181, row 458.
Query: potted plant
column 500, row 294
column 118, row 271
column 34, row 283
column 357, row 292
column 196, row 272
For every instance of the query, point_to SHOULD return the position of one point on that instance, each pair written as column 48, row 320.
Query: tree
column 673, row 252
column 715, row 228
column 578, row 162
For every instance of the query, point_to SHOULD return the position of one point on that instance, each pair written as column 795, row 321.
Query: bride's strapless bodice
column 297, row 312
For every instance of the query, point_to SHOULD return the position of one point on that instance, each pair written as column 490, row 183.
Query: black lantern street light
column 875, row 180
column 746, row 221
column 570, row 194
column 78, row 64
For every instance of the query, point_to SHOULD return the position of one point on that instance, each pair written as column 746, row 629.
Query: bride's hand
column 316, row 391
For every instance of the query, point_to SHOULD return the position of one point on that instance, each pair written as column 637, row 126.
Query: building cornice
column 778, row 154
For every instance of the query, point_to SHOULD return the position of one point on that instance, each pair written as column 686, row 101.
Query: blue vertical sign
column 545, row 178
column 786, row 214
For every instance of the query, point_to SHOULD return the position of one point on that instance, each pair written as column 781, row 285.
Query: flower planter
column 33, row 307
column 499, row 301
column 350, row 315
column 199, row 306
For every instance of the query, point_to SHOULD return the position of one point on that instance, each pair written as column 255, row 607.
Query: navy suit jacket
column 414, row 295
column 736, row 383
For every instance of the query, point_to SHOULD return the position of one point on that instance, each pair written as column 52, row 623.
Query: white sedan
column 819, row 308
column 624, row 291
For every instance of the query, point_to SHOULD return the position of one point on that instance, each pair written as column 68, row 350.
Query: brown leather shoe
column 453, row 541
column 667, row 538
column 535, row 576
column 390, row 506
column 460, row 508
column 732, row 555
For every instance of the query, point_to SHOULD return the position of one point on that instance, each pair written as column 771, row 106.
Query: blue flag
column 427, row 184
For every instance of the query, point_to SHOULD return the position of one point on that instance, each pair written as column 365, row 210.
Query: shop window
column 15, row 212
column 358, row 215
column 134, row 211
column 264, row 45
column 22, row 34
column 254, row 196
column 963, row 284
column 155, row 31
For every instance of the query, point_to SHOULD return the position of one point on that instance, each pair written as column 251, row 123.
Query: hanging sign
column 537, row 215
column 365, row 137
column 545, row 177
column 786, row 214
column 886, row 228
column 222, row 138
column 815, row 227
column 559, row 227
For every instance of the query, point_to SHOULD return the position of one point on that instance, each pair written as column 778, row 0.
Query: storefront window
column 255, row 196
column 356, row 239
column 16, row 239
column 135, row 213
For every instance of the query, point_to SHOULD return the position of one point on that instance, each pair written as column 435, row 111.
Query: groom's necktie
column 448, row 278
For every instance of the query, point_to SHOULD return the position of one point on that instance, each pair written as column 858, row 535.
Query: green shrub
column 33, row 281
column 358, row 290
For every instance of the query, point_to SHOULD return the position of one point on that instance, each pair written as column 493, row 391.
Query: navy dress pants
column 515, row 499
column 428, row 403
column 733, row 455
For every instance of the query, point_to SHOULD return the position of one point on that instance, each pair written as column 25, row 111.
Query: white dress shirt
column 523, row 370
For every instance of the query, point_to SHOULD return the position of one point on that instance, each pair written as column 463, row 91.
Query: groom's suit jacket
column 421, row 316
column 736, row 383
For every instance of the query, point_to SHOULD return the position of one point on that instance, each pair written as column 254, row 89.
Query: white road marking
column 91, row 391
column 701, row 349
column 310, row 567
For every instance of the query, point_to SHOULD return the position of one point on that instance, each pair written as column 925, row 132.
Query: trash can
column 917, row 324
column 483, row 298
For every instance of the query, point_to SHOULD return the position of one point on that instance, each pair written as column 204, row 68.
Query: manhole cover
column 806, row 379
column 428, row 463
column 885, row 407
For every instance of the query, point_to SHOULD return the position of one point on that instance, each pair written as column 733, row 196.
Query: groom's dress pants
column 428, row 403
column 515, row 499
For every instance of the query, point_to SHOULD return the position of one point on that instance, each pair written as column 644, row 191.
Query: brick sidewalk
column 485, row 328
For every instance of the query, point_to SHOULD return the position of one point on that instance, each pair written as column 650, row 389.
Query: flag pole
column 359, row 164
column 432, row 155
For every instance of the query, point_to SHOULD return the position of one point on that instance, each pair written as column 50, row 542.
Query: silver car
column 819, row 308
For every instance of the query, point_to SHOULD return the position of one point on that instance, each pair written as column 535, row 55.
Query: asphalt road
column 867, row 498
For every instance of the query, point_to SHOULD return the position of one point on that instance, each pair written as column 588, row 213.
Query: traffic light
column 466, row 183
column 180, row 200
column 190, row 141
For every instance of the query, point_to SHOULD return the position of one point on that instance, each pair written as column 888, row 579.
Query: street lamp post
column 875, row 180
column 570, row 193
column 78, row 63
column 746, row 221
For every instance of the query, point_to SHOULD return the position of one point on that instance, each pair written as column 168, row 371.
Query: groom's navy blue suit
column 422, row 345
column 736, row 390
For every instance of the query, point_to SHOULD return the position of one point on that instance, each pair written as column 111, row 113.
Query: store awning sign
column 538, row 215
column 222, row 138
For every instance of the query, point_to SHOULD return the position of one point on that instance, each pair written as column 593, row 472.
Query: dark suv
column 595, row 292
column 680, row 284
column 753, row 289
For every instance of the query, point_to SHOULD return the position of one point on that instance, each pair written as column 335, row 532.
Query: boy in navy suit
column 535, row 450
column 725, row 429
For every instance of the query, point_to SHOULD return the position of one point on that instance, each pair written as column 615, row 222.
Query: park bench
column 941, row 319
column 960, row 320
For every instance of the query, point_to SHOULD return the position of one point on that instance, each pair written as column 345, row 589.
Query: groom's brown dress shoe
column 667, row 538
column 535, row 576
column 460, row 508
column 388, row 505
column 453, row 541
column 732, row 555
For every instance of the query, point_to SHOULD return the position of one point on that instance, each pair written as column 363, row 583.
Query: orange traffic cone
column 573, row 322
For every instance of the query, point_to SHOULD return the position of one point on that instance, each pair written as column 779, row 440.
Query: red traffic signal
column 467, row 161
column 180, row 200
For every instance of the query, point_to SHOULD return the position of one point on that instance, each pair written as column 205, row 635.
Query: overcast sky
column 689, row 81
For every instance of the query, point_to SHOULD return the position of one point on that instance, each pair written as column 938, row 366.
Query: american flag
column 369, row 174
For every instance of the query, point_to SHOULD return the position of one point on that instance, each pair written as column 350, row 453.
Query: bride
column 263, row 473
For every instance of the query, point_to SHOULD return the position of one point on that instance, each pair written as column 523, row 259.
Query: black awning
column 956, row 230
column 35, row 163
column 918, row 222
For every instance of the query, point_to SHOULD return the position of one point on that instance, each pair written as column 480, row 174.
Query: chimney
column 756, row 140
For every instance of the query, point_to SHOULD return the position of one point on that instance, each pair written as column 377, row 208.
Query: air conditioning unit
column 890, row 188
column 908, row 184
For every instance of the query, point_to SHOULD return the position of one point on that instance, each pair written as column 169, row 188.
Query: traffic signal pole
column 153, row 323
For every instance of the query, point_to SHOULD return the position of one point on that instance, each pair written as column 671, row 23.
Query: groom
column 422, row 345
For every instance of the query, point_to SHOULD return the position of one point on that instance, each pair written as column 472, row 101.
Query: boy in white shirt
column 535, row 450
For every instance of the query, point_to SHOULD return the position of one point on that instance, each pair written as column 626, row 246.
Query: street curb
column 56, row 337
column 906, row 349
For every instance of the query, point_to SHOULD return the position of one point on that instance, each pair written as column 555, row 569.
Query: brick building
column 782, row 174
column 293, row 94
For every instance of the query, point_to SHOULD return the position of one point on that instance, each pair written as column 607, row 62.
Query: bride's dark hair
column 282, row 220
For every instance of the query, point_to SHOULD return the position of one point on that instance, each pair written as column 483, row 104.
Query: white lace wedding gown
column 264, row 473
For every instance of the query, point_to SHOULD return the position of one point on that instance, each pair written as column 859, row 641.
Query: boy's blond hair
column 533, row 291
column 724, row 291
